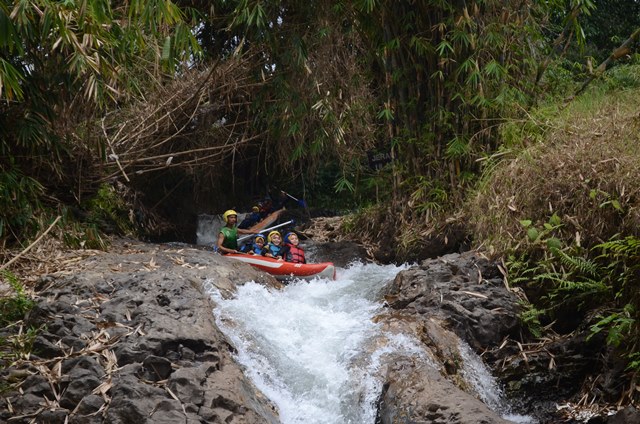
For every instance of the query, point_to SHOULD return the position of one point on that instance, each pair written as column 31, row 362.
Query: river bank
column 128, row 336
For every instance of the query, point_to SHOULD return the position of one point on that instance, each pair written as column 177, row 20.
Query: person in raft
column 294, row 252
column 228, row 236
column 253, row 218
column 256, row 247
column 275, row 248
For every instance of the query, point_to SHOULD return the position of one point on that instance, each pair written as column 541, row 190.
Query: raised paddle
column 264, row 230
column 301, row 202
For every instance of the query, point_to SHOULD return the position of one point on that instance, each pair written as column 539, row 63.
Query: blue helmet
column 259, row 235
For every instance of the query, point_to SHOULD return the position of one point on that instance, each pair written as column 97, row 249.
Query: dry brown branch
column 200, row 119
column 621, row 51
column 19, row 255
column 115, row 156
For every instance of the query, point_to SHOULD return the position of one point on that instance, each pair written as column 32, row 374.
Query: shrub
column 13, row 308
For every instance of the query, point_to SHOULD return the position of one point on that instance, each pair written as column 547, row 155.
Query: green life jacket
column 230, row 237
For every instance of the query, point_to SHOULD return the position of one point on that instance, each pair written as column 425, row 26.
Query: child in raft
column 256, row 247
column 275, row 249
column 293, row 252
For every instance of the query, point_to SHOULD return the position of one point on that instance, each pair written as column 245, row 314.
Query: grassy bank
column 561, row 205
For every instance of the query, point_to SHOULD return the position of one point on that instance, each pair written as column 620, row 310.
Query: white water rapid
column 303, row 346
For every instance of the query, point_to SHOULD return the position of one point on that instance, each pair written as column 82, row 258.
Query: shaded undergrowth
column 15, row 340
column 561, row 204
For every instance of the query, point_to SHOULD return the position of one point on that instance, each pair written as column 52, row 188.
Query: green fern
column 530, row 318
column 606, row 275
column 619, row 326
column 578, row 264
column 629, row 247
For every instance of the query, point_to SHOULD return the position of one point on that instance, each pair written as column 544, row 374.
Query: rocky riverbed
column 128, row 336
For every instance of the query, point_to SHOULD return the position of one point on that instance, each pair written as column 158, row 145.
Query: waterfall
column 487, row 389
column 298, row 344
column 313, row 348
column 208, row 228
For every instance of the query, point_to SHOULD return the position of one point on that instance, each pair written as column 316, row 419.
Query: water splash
column 314, row 350
column 300, row 344
column 208, row 228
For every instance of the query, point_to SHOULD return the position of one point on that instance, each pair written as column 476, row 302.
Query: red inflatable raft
column 287, row 270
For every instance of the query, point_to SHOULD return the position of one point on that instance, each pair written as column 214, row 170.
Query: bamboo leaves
column 61, row 62
column 10, row 81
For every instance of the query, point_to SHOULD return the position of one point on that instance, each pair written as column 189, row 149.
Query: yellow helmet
column 225, row 215
column 271, row 234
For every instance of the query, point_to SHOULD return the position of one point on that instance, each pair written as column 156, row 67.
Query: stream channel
column 315, row 350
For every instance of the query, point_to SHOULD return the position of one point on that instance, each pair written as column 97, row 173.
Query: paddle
column 264, row 230
column 301, row 203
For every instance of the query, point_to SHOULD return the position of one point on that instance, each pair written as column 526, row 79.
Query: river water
column 303, row 346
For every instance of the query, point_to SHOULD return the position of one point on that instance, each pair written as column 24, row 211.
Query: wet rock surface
column 463, row 296
column 441, row 302
column 466, row 291
column 129, row 337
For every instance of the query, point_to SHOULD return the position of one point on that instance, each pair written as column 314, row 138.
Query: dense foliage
column 571, row 239
column 121, row 114
column 62, row 64
column 298, row 94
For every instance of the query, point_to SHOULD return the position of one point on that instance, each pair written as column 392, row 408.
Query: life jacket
column 295, row 254
column 254, row 247
column 274, row 250
column 230, row 237
column 258, row 250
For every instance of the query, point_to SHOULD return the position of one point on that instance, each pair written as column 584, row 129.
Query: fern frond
column 579, row 264
column 630, row 246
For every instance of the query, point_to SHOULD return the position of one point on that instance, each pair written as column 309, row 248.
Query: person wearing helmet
column 293, row 251
column 253, row 218
column 275, row 249
column 228, row 235
column 256, row 247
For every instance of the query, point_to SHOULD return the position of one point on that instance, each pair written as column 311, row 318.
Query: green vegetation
column 19, row 197
column 14, row 342
column 14, row 307
column 63, row 65
column 562, row 205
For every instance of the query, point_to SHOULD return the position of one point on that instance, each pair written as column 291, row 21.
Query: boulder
column 140, row 343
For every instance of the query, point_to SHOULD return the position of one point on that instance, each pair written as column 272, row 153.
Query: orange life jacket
column 295, row 254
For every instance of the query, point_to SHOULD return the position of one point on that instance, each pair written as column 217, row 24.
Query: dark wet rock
column 145, row 345
column 628, row 415
column 27, row 404
column 466, row 291
column 156, row 368
column 341, row 253
column 182, row 384
column 81, row 383
column 56, row 416
column 38, row 385
column 43, row 348
column 442, row 301
column 73, row 343
column 416, row 393
column 89, row 404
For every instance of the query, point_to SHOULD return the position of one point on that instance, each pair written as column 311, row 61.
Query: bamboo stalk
column 615, row 55
column 19, row 255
